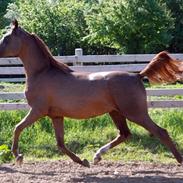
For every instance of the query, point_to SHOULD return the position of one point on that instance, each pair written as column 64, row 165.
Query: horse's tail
column 163, row 69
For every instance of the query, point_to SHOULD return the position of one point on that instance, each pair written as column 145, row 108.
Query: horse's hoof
column 96, row 159
column 86, row 163
column 19, row 159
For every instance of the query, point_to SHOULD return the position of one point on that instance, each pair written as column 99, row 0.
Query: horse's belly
column 87, row 112
column 82, row 110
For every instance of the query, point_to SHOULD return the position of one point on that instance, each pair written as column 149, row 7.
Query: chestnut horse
column 54, row 90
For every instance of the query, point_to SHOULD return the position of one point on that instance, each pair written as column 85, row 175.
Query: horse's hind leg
column 162, row 134
column 124, row 133
column 58, row 125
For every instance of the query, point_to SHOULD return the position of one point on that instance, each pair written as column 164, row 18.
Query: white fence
column 11, row 70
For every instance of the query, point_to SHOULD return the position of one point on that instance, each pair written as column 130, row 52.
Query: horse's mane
column 49, row 56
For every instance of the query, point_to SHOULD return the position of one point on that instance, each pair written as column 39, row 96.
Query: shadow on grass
column 150, row 142
column 145, row 141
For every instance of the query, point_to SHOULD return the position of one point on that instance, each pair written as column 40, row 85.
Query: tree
column 131, row 26
column 176, row 8
column 103, row 27
column 60, row 24
column 3, row 7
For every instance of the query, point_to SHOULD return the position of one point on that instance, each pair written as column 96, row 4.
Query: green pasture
column 85, row 137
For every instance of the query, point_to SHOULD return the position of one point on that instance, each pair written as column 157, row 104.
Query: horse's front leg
column 30, row 118
column 58, row 124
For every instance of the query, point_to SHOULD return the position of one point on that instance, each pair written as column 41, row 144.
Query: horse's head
column 11, row 43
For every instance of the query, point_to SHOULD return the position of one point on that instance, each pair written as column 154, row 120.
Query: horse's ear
column 15, row 24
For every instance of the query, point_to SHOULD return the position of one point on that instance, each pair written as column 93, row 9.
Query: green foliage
column 101, row 27
column 5, row 154
column 3, row 21
column 60, row 24
column 176, row 8
column 131, row 26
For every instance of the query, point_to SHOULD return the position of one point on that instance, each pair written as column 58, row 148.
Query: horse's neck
column 33, row 59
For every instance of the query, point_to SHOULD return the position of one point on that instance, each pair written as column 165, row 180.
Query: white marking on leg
column 104, row 149
column 101, row 151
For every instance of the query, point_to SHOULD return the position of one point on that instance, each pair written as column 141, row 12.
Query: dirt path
column 109, row 172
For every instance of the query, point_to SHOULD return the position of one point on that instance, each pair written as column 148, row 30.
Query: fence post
column 78, row 53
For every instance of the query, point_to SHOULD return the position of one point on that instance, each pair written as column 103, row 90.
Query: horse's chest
column 36, row 98
column 29, row 96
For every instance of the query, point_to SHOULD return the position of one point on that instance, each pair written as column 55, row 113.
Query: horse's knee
column 14, row 150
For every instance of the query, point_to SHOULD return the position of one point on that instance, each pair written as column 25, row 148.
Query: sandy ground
column 106, row 171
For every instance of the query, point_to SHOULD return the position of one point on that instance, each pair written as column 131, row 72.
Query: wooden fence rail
column 11, row 70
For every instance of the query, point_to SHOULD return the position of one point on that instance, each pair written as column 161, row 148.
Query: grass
column 11, row 87
column 85, row 137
